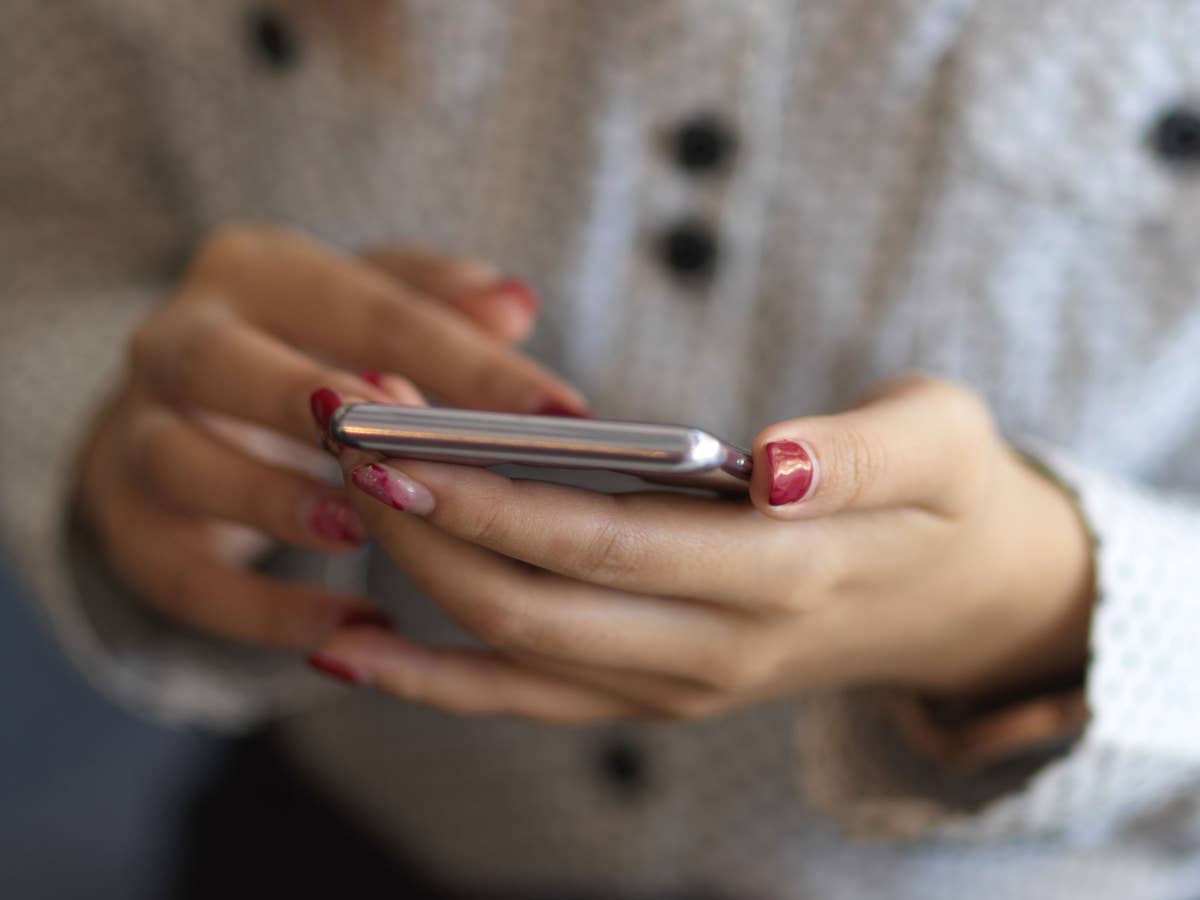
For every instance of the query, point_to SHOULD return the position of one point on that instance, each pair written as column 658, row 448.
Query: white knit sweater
column 986, row 191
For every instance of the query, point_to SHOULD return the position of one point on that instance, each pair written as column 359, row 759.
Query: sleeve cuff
column 1079, row 766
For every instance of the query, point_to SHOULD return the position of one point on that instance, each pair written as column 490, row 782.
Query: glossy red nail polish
column 338, row 670
column 558, row 408
column 370, row 376
column 335, row 520
column 792, row 472
column 393, row 489
column 519, row 291
column 324, row 402
column 367, row 618
column 373, row 479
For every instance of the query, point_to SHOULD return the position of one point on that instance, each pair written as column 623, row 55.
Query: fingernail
column 333, row 519
column 367, row 618
column 393, row 489
column 339, row 670
column 519, row 291
column 558, row 408
column 324, row 402
column 793, row 472
column 370, row 376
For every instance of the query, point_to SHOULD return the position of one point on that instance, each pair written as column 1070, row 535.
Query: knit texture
column 962, row 187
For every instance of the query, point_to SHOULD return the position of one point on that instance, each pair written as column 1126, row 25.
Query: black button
column 690, row 249
column 1176, row 136
column 703, row 144
column 273, row 40
column 623, row 765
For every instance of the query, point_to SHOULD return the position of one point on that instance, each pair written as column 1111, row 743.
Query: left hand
column 899, row 543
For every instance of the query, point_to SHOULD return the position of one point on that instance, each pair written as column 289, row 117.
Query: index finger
column 171, row 566
column 504, row 307
column 648, row 543
column 317, row 299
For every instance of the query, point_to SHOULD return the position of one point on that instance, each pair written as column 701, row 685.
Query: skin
column 925, row 555
column 205, row 457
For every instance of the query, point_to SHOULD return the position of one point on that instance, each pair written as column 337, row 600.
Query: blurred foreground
column 89, row 796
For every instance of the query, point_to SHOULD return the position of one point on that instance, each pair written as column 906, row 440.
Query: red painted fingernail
column 793, row 472
column 324, row 402
column 393, row 489
column 339, row 670
column 335, row 520
column 370, row 376
column 367, row 618
column 558, row 408
column 518, row 290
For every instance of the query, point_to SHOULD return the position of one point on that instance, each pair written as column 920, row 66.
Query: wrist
column 1045, row 605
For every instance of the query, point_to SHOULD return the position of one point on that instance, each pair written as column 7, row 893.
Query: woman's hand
column 901, row 542
column 207, row 449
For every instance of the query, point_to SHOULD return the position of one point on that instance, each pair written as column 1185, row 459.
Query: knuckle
column 278, row 624
column 963, row 410
column 609, row 554
column 484, row 378
column 911, row 382
column 424, row 686
column 191, row 362
column 151, row 452
column 492, row 525
column 503, row 625
column 230, row 248
column 270, row 504
column 795, row 581
column 747, row 666
column 971, row 442
column 111, row 531
column 184, row 592
column 264, row 624
column 790, row 602
column 380, row 306
column 470, row 272
column 730, row 672
column 966, row 411
column 804, row 596
column 860, row 463
column 174, row 353
column 383, row 318
column 966, row 430
column 826, row 561
column 402, row 390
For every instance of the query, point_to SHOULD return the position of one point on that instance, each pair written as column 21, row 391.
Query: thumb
column 910, row 442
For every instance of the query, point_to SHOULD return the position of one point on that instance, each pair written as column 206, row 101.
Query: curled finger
column 197, row 473
column 464, row 681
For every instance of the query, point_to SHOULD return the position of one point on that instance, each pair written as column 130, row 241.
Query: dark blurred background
column 90, row 796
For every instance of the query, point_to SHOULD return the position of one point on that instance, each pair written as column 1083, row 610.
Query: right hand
column 176, row 474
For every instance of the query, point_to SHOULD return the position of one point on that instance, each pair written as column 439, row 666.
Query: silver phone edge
column 718, row 464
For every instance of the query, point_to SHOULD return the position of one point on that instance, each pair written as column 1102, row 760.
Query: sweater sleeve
column 89, row 240
column 1136, row 760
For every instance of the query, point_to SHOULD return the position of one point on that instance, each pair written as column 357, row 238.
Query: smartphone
column 668, row 454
